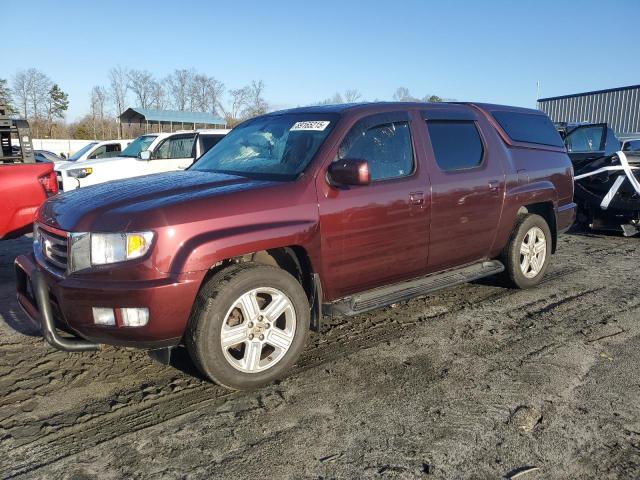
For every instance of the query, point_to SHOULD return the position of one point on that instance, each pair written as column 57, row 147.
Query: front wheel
column 527, row 256
column 249, row 326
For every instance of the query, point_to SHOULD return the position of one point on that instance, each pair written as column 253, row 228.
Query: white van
column 150, row 153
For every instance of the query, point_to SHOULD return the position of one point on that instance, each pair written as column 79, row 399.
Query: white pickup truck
column 149, row 153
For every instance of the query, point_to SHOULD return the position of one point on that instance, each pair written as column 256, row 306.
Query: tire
column 514, row 259
column 232, row 301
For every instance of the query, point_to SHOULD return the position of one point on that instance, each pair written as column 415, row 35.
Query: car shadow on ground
column 180, row 360
column 16, row 319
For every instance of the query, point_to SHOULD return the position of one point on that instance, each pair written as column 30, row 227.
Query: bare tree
column 206, row 93
column 119, row 85
column 402, row 95
column 352, row 95
column 256, row 104
column 178, row 84
column 239, row 98
column 98, row 103
column 159, row 95
column 21, row 91
column 39, row 86
column 141, row 84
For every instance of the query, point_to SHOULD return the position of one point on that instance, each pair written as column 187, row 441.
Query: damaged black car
column 607, row 186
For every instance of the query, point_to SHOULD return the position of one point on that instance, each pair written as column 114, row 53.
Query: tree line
column 33, row 95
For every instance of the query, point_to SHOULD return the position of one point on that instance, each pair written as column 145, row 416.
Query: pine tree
column 5, row 95
column 57, row 105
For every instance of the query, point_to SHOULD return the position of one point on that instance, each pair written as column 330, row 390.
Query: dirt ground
column 477, row 381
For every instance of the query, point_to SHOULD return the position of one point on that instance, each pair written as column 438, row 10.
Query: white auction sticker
column 315, row 125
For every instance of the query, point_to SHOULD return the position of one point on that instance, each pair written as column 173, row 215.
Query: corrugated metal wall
column 619, row 107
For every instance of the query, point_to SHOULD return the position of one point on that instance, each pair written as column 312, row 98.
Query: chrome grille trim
column 53, row 247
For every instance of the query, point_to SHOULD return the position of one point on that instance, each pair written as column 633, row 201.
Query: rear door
column 173, row 153
column 376, row 234
column 467, row 189
column 587, row 142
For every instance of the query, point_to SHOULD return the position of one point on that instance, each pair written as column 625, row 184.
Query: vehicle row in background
column 147, row 154
column 607, row 173
column 24, row 183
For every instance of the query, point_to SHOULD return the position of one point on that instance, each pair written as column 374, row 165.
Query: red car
column 24, row 187
column 293, row 215
column 24, row 184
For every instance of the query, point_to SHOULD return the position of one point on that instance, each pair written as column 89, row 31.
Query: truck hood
column 115, row 206
column 93, row 163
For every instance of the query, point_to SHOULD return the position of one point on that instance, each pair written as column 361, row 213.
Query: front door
column 375, row 234
column 468, row 188
column 173, row 153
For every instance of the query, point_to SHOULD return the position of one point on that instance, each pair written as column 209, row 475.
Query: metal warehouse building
column 619, row 107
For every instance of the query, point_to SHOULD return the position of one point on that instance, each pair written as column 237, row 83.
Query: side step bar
column 399, row 292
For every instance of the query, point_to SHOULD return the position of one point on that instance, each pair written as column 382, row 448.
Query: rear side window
column 456, row 145
column 208, row 141
column 176, row 147
column 529, row 127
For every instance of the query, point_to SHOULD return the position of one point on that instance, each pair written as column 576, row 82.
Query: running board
column 399, row 292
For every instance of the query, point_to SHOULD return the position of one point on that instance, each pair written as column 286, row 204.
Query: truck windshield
column 138, row 145
column 82, row 151
column 276, row 146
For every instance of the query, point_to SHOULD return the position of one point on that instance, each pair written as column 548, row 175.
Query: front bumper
column 67, row 303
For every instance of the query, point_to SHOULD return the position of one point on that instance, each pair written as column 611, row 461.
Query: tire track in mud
column 129, row 410
column 68, row 433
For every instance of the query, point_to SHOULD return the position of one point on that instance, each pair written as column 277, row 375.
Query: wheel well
column 292, row 259
column 546, row 211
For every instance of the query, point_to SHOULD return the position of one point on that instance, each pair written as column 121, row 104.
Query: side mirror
column 145, row 155
column 349, row 172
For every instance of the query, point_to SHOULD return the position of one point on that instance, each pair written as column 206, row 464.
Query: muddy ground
column 478, row 381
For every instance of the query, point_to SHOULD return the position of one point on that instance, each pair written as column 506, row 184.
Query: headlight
column 80, row 172
column 119, row 247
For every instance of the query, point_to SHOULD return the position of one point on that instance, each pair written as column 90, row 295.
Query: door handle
column 416, row 198
column 494, row 184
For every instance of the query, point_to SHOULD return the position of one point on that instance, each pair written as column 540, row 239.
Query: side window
column 632, row 146
column 585, row 139
column 99, row 152
column 387, row 148
column 208, row 141
column 175, row 147
column 456, row 145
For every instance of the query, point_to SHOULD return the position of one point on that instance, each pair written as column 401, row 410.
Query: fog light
column 135, row 317
column 104, row 316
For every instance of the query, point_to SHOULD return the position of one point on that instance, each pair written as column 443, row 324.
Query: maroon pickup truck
column 295, row 215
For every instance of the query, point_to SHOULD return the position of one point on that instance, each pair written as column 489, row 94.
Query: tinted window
column 529, row 127
column 632, row 146
column 208, row 141
column 456, row 145
column 585, row 139
column 98, row 152
column 386, row 147
column 176, row 147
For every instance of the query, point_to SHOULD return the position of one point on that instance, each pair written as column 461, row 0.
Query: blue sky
column 305, row 51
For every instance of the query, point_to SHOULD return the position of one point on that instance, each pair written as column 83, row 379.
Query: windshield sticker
column 317, row 126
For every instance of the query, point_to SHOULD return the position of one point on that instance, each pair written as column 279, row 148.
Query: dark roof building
column 170, row 117
column 619, row 107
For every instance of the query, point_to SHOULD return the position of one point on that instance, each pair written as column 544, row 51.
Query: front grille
column 54, row 247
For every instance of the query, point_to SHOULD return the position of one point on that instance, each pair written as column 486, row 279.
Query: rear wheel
column 527, row 256
column 249, row 326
